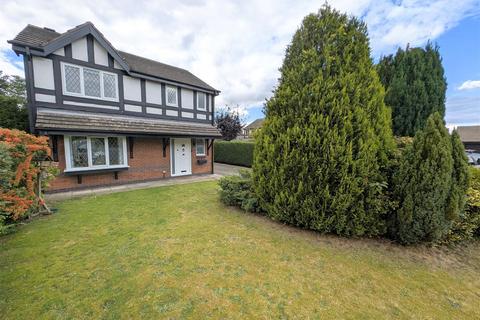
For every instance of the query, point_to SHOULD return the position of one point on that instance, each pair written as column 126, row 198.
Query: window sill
column 94, row 170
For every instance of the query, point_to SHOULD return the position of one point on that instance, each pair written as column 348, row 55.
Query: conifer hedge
column 234, row 152
column 320, row 157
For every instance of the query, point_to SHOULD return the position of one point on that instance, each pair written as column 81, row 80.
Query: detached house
column 114, row 117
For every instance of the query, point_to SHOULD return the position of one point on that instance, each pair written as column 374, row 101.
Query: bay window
column 89, row 83
column 89, row 152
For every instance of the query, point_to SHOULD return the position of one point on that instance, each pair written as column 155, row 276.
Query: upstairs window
column 171, row 96
column 86, row 153
column 72, row 79
column 201, row 101
column 110, row 85
column 91, row 80
column 89, row 83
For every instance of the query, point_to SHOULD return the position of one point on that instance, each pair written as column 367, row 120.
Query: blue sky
column 238, row 46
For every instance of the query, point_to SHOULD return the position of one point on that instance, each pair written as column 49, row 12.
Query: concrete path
column 132, row 186
column 226, row 169
column 220, row 170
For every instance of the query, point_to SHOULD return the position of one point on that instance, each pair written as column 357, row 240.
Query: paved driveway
column 226, row 169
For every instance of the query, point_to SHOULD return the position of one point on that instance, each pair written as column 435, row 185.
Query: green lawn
column 177, row 252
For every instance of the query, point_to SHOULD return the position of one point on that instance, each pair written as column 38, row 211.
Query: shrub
column 18, row 173
column 467, row 225
column 321, row 154
column 234, row 152
column 430, row 185
column 237, row 191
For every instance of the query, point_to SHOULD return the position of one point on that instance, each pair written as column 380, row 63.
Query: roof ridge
column 42, row 28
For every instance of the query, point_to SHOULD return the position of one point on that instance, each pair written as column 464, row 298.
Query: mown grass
column 177, row 252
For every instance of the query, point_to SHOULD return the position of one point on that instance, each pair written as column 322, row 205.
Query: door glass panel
column 79, row 152
column 98, row 151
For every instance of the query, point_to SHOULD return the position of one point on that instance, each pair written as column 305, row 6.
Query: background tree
column 13, row 110
column 415, row 87
column 430, row 185
column 326, row 139
column 229, row 122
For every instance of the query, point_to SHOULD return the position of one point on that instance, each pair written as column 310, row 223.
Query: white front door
column 181, row 157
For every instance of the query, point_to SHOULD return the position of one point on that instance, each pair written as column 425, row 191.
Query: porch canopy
column 56, row 121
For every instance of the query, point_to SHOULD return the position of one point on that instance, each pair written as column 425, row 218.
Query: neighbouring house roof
column 255, row 124
column 469, row 133
column 53, row 120
column 41, row 38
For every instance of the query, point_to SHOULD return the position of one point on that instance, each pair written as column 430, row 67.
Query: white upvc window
column 201, row 101
column 172, row 96
column 84, row 152
column 90, row 83
column 200, row 147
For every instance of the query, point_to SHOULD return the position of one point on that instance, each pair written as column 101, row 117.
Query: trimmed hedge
column 234, row 152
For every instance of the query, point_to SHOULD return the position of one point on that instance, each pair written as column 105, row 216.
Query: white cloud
column 470, row 84
column 236, row 46
column 9, row 67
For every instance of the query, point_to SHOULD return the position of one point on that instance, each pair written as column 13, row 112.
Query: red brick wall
column 147, row 164
column 205, row 167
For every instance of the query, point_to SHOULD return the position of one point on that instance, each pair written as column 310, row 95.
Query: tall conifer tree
column 320, row 156
column 415, row 87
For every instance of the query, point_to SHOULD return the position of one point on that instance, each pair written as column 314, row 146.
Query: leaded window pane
column 79, row 152
column 72, row 79
column 171, row 96
column 115, row 150
column 201, row 101
column 98, row 151
column 91, row 79
column 109, row 86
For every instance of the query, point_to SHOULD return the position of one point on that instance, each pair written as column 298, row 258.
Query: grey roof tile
column 65, row 120
column 35, row 36
column 162, row 70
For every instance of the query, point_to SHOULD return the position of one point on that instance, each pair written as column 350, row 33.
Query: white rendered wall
column 153, row 92
column 79, row 49
column 131, row 89
column 43, row 73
